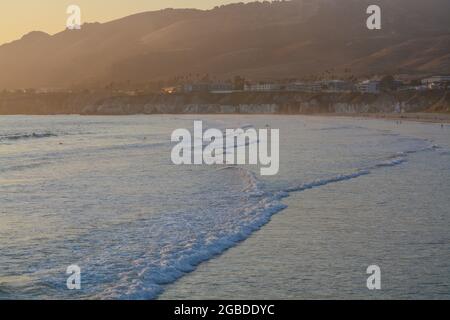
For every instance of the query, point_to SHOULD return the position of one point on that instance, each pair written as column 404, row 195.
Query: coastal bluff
column 103, row 103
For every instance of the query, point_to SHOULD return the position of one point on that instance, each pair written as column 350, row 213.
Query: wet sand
column 419, row 117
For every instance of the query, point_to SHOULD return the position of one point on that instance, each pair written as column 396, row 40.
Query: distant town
column 202, row 94
column 373, row 86
column 204, row 84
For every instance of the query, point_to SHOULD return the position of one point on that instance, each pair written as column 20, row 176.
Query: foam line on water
column 323, row 182
column 32, row 135
column 252, row 216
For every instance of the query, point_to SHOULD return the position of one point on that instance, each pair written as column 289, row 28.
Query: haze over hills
column 257, row 40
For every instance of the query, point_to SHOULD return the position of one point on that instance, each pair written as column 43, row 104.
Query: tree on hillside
column 387, row 83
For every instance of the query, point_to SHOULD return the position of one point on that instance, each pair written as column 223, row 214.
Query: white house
column 263, row 86
column 369, row 86
column 304, row 86
column 436, row 81
column 337, row 86
column 221, row 87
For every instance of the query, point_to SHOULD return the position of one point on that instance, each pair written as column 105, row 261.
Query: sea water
column 102, row 193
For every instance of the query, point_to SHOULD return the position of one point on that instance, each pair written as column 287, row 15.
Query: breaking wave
column 350, row 127
column 21, row 136
column 250, row 217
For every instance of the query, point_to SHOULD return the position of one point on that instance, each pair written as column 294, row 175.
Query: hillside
column 256, row 40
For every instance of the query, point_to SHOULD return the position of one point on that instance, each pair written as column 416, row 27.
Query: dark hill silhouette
column 258, row 40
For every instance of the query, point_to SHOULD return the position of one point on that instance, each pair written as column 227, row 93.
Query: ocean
column 102, row 193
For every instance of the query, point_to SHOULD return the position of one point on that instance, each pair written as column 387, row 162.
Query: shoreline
column 443, row 118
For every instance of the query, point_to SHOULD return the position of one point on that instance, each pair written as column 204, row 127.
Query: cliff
column 238, row 102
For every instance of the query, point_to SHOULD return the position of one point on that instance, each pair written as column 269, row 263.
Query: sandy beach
column 418, row 117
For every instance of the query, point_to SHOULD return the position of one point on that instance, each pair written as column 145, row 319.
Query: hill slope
column 259, row 40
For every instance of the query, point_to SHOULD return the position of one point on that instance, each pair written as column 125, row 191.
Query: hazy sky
column 18, row 17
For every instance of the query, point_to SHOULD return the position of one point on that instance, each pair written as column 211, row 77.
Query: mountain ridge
column 255, row 40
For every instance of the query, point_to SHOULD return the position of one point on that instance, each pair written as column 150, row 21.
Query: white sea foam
column 252, row 217
column 134, row 230
column 32, row 135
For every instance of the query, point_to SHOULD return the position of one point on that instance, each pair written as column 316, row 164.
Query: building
column 398, row 84
column 305, row 86
column 337, row 86
column 368, row 86
column 262, row 87
column 196, row 87
column 221, row 87
column 216, row 87
column 407, row 88
column 297, row 86
column 436, row 82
